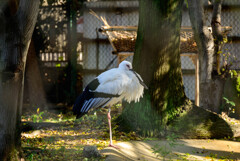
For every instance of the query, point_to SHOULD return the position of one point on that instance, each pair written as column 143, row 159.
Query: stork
column 110, row 87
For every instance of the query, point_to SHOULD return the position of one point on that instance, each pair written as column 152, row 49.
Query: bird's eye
column 128, row 66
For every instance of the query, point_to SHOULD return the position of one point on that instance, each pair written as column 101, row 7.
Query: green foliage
column 45, row 116
column 172, row 140
column 58, row 65
column 233, row 73
column 14, row 155
column 228, row 106
column 238, row 85
column 37, row 117
column 163, row 151
column 142, row 118
column 66, row 140
column 229, row 102
column 236, row 75
column 186, row 2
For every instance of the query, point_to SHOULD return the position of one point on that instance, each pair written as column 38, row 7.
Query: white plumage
column 109, row 88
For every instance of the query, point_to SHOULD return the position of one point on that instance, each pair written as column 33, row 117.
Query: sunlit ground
column 51, row 136
column 61, row 137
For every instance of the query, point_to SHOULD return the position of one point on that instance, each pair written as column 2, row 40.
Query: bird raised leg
column 110, row 130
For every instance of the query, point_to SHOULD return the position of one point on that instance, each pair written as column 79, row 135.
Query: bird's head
column 126, row 65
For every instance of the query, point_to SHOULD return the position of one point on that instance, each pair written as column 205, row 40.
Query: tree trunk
column 15, row 35
column 217, row 34
column 34, row 81
column 157, row 60
column 211, row 83
column 72, row 51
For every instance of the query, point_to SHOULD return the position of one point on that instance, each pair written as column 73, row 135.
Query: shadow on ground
column 183, row 150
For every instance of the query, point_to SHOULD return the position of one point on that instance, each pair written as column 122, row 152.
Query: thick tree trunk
column 157, row 60
column 15, row 36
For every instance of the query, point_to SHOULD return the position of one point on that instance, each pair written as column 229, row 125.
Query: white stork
column 109, row 88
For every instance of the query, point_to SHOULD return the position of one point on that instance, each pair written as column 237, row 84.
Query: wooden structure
column 188, row 47
column 122, row 39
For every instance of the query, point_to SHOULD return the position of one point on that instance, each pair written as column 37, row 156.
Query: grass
column 66, row 142
column 66, row 137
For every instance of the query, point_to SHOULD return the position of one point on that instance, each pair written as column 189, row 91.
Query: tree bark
column 210, row 89
column 209, row 46
column 157, row 60
column 15, row 35
column 217, row 34
column 72, row 51
column 34, row 81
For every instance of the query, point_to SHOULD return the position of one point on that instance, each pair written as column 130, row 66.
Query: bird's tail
column 78, row 106
column 80, row 115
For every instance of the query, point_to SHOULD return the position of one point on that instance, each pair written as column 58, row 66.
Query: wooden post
column 196, row 80
column 194, row 58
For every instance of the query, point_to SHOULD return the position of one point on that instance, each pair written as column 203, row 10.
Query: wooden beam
column 118, row 28
column 112, row 9
column 196, row 80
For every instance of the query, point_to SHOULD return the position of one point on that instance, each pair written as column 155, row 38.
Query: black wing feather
column 87, row 94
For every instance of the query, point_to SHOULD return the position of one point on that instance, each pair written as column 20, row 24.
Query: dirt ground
column 50, row 136
column 179, row 150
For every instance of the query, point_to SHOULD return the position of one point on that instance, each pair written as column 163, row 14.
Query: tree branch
column 216, row 20
column 217, row 33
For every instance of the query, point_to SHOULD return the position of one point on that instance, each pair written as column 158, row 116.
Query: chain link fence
column 98, row 54
column 94, row 50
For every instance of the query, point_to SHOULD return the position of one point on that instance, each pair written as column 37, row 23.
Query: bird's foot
column 114, row 146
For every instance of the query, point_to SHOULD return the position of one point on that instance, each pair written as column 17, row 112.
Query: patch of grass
column 66, row 142
column 166, row 150
column 46, row 116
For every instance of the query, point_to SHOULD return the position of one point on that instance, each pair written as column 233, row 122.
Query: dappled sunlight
column 63, row 137
column 46, row 139
column 47, row 62
column 125, row 145
column 128, row 149
column 181, row 150
column 205, row 149
column 228, row 146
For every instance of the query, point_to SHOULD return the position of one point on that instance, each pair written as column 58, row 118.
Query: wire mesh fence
column 94, row 51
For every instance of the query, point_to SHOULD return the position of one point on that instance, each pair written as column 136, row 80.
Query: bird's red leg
column 110, row 130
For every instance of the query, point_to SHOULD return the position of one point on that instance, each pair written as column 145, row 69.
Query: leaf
column 232, row 103
column 35, row 118
column 38, row 111
column 41, row 113
column 229, row 102
column 60, row 58
column 58, row 65
column 225, row 40
column 186, row 3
